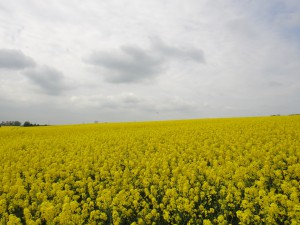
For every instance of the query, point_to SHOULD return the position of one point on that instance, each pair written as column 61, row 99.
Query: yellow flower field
column 210, row 171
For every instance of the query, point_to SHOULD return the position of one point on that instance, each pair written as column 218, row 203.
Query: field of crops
column 212, row 171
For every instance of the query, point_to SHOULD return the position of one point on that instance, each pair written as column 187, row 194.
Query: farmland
column 206, row 171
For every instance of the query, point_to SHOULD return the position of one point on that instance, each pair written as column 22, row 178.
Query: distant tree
column 27, row 124
column 17, row 123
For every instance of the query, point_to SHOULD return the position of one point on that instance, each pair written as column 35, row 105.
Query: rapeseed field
column 209, row 171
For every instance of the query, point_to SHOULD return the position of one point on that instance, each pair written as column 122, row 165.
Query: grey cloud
column 14, row 60
column 176, row 52
column 130, row 98
column 169, row 104
column 275, row 84
column 108, row 102
column 130, row 104
column 243, row 29
column 124, row 100
column 48, row 79
column 134, row 64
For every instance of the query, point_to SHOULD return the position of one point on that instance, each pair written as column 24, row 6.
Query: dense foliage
column 214, row 171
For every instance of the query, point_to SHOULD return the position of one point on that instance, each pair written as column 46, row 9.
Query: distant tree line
column 10, row 123
column 18, row 123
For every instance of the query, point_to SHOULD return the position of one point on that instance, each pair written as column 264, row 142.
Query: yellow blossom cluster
column 210, row 171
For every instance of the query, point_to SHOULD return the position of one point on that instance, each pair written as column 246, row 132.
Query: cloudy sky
column 72, row 61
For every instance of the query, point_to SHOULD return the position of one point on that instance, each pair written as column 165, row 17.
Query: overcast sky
column 72, row 61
